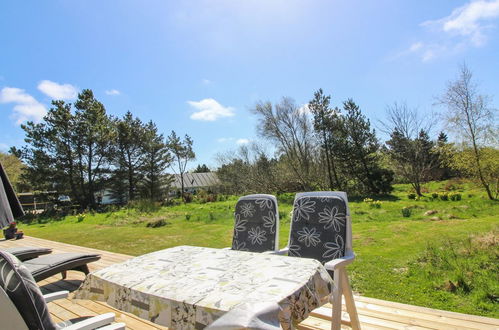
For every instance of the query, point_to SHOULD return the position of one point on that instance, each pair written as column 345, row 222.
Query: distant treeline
column 321, row 147
column 84, row 151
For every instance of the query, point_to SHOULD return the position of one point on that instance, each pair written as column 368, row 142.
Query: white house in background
column 195, row 181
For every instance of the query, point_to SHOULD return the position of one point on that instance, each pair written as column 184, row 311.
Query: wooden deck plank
column 430, row 311
column 373, row 313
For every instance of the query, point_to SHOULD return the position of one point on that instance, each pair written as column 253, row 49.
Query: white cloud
column 206, row 82
column 26, row 106
column 113, row 92
column 470, row 20
column 467, row 26
column 242, row 141
column 304, row 110
column 210, row 110
column 58, row 91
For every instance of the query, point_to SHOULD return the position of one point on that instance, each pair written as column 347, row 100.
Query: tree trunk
column 182, row 186
column 480, row 174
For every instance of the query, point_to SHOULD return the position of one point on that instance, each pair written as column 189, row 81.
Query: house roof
column 195, row 180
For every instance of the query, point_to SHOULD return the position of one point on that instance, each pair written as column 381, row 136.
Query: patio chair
column 27, row 252
column 22, row 305
column 256, row 226
column 48, row 265
column 321, row 229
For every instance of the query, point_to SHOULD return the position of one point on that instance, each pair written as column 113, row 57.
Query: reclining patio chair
column 22, row 305
column 321, row 229
column 256, row 226
column 27, row 252
column 48, row 265
column 43, row 266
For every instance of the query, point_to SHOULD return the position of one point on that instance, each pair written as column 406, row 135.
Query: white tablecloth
column 188, row 287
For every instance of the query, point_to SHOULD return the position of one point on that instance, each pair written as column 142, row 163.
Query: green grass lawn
column 449, row 262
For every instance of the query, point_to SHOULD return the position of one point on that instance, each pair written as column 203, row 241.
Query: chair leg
column 64, row 274
column 336, row 301
column 349, row 301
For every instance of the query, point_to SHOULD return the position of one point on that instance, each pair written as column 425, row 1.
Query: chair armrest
column 340, row 262
column 55, row 295
column 93, row 322
column 227, row 248
column 281, row 252
column 114, row 326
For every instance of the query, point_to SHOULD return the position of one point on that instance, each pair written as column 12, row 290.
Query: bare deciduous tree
column 470, row 117
column 292, row 131
column 409, row 147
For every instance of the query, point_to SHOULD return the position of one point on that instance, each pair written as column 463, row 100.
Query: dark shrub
column 157, row 223
column 406, row 212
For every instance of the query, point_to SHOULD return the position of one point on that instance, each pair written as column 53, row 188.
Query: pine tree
column 326, row 128
column 157, row 159
column 128, row 158
column 359, row 150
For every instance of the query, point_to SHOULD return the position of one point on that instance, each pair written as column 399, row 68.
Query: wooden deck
column 373, row 313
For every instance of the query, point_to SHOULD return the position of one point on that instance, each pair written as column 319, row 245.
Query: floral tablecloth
column 188, row 287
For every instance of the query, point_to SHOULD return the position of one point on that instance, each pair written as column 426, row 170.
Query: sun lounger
column 27, row 252
column 24, row 307
column 48, row 265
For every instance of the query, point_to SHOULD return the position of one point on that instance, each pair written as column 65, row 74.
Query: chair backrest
column 18, row 284
column 256, row 226
column 320, row 226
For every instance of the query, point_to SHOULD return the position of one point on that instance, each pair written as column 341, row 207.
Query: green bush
column 455, row 196
column 286, row 198
column 406, row 212
column 444, row 196
column 187, row 217
column 412, row 196
column 434, row 195
column 80, row 217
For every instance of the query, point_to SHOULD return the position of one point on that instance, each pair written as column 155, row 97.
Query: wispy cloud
column 304, row 110
column 26, row 106
column 207, row 82
column 233, row 140
column 242, row 141
column 210, row 110
column 469, row 21
column 467, row 26
column 58, row 91
column 112, row 92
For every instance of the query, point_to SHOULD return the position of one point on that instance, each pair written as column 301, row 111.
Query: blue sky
column 197, row 67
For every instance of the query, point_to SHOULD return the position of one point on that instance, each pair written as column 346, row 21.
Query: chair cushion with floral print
column 18, row 283
column 255, row 224
column 318, row 228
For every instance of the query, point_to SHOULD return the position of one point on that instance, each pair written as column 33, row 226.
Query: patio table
column 189, row 287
